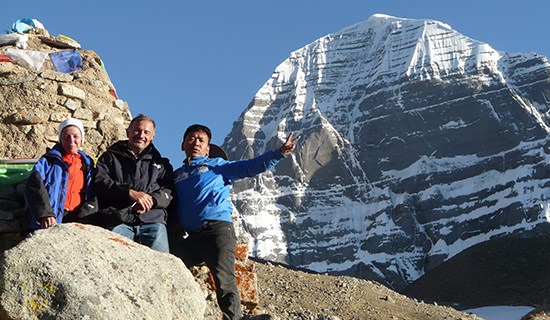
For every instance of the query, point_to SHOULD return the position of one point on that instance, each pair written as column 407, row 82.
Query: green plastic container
column 15, row 171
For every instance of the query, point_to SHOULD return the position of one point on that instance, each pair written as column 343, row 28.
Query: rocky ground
column 287, row 294
column 499, row 272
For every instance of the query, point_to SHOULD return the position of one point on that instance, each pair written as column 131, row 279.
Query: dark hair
column 141, row 117
column 198, row 127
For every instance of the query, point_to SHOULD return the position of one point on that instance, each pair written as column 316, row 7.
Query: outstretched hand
column 289, row 145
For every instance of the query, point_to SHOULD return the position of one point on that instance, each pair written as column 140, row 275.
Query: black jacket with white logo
column 118, row 171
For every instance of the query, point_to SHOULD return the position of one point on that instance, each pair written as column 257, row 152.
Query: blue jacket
column 203, row 184
column 47, row 187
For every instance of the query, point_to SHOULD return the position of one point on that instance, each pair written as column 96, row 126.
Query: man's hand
column 143, row 202
column 289, row 145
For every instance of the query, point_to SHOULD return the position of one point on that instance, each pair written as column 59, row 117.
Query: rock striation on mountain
column 417, row 143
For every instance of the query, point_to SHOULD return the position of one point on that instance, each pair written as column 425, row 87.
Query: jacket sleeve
column 110, row 193
column 90, row 205
column 163, row 195
column 88, row 208
column 172, row 222
column 36, row 195
column 249, row 168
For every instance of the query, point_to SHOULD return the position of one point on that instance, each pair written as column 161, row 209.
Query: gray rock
column 75, row 271
column 57, row 76
column 72, row 91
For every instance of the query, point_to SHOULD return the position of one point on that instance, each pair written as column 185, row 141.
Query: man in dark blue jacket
column 202, row 186
column 134, row 185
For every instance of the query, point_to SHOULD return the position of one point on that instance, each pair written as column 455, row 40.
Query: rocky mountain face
column 417, row 142
column 504, row 271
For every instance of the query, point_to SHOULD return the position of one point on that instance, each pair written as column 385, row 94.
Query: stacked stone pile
column 34, row 99
column 34, row 102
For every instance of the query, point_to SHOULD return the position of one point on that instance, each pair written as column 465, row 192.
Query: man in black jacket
column 134, row 185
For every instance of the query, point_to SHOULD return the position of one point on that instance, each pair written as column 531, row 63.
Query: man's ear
column 182, row 143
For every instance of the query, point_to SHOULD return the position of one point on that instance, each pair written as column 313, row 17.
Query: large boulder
column 76, row 271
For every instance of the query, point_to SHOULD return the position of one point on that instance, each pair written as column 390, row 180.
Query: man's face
column 196, row 144
column 140, row 135
column 71, row 138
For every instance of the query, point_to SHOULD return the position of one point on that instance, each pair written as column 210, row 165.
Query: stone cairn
column 34, row 99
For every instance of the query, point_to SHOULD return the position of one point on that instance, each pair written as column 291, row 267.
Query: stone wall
column 34, row 102
column 34, row 98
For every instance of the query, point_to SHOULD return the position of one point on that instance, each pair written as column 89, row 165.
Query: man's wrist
column 279, row 153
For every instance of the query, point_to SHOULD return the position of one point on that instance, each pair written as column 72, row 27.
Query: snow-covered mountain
column 416, row 143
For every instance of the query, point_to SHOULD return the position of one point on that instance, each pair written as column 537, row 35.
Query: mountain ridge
column 395, row 172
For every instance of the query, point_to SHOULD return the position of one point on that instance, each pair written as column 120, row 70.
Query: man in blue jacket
column 202, row 185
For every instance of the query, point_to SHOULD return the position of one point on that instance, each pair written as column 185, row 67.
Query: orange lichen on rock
column 247, row 284
column 123, row 242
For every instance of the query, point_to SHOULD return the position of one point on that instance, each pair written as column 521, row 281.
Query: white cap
column 71, row 122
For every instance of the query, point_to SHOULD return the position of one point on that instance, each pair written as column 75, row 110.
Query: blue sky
column 185, row 62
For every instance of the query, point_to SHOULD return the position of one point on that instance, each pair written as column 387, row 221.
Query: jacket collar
column 57, row 152
column 122, row 148
column 196, row 161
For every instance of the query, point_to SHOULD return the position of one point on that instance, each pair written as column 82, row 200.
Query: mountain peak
column 425, row 48
column 417, row 142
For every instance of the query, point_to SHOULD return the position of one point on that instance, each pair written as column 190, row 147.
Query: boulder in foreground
column 81, row 271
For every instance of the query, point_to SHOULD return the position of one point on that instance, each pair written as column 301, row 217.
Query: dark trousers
column 214, row 245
